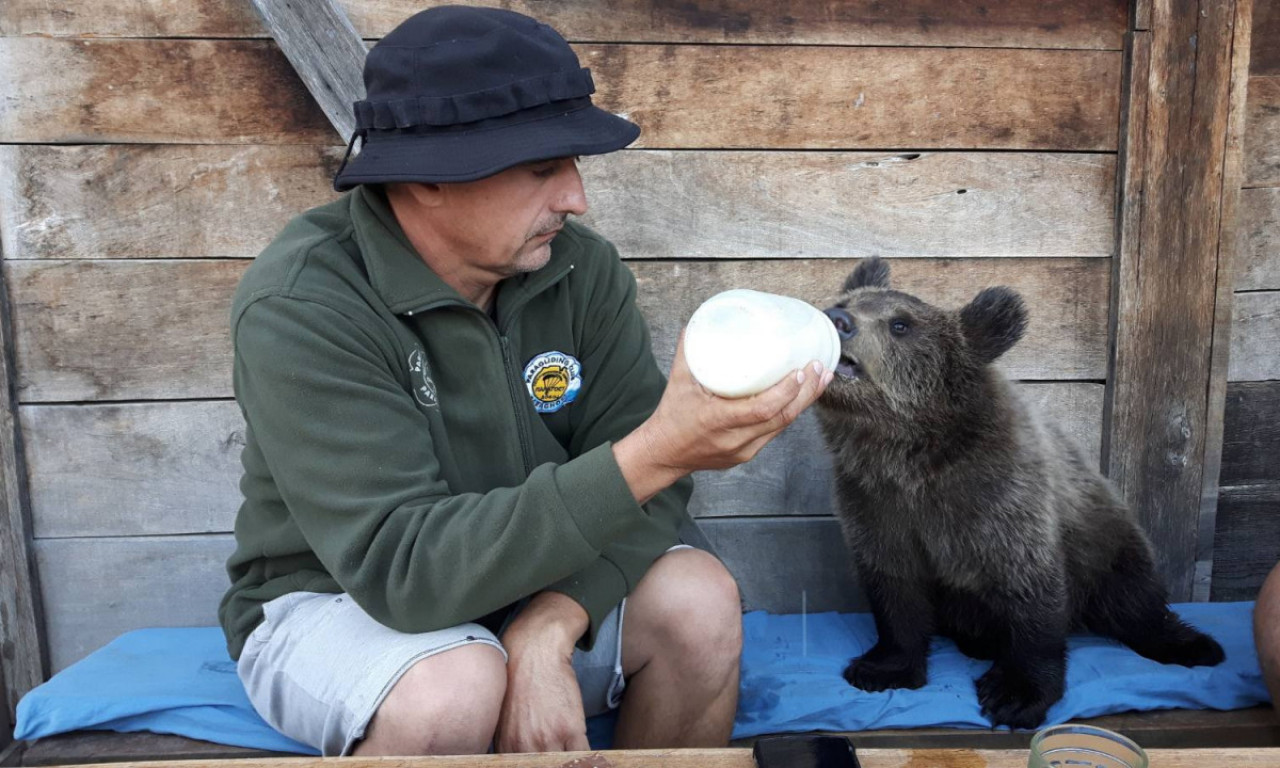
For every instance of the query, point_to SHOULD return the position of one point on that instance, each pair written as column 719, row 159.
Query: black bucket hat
column 457, row 94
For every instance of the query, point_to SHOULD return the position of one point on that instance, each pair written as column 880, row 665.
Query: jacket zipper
column 515, row 378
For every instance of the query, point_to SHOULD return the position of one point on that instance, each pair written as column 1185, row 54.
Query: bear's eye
column 899, row 327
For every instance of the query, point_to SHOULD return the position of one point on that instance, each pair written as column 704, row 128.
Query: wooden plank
column 1255, row 337
column 108, row 747
column 325, row 50
column 1251, row 449
column 997, row 23
column 122, row 330
column 792, row 475
column 786, row 565
column 1258, row 254
column 1066, row 337
column 155, row 201
column 141, row 91
column 1265, row 58
column 741, row 758
column 243, row 91
column 162, row 581
column 1262, row 133
column 1167, row 729
column 818, row 204
column 131, row 201
column 143, row 469
column 1166, row 287
column 106, row 330
column 1228, row 238
column 835, row 98
column 150, row 469
column 1248, row 539
column 23, row 652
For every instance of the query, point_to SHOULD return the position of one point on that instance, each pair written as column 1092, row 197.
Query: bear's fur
column 968, row 516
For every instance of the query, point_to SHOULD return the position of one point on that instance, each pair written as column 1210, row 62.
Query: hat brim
column 457, row 156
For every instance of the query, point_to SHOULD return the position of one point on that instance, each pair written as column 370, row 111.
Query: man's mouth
column 849, row 368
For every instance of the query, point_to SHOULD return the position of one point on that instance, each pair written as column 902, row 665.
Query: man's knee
column 443, row 705
column 1266, row 632
column 689, row 601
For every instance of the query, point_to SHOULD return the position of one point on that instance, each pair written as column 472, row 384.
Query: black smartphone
column 804, row 751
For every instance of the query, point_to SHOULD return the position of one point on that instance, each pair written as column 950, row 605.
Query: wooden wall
column 149, row 149
column 1248, row 524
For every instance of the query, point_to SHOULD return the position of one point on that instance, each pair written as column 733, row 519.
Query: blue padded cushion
column 180, row 681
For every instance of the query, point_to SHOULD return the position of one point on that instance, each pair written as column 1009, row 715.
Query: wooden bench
column 1006, row 147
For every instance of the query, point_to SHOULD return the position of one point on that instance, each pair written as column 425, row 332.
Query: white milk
column 741, row 342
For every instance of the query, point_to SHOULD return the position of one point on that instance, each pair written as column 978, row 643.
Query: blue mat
column 180, row 681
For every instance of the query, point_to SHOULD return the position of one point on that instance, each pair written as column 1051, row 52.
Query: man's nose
column 573, row 198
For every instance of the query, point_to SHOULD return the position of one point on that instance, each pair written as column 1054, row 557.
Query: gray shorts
column 318, row 667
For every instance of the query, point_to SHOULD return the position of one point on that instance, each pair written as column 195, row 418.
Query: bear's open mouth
column 849, row 368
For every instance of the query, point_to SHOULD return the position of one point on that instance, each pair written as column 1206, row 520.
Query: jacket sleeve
column 624, row 389
column 353, row 460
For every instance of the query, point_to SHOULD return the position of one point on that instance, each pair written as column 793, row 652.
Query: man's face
column 505, row 223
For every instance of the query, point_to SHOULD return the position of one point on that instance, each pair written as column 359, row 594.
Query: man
column 1266, row 633
column 464, row 477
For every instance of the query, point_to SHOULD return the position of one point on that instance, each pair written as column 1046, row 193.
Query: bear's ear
column 993, row 322
column 870, row 273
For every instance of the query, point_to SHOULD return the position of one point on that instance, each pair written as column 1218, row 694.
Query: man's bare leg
column 446, row 704
column 1266, row 633
column 681, row 642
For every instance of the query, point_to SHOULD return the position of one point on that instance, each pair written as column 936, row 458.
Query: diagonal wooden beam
column 327, row 52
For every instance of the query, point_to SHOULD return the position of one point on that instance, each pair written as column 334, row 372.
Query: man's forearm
column 645, row 475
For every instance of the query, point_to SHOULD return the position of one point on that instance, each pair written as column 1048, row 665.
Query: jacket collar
column 404, row 281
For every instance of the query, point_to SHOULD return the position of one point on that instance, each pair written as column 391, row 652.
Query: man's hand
column 542, row 711
column 692, row 429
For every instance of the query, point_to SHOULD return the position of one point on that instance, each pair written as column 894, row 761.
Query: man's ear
column 422, row 194
column 993, row 322
column 870, row 273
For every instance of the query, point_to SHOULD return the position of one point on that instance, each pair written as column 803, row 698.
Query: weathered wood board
column 1255, row 337
column 138, row 91
column 1247, row 541
column 155, row 201
column 1247, row 545
column 158, row 201
column 741, row 758
column 1264, row 56
column 997, row 23
column 177, row 581
column 1165, row 289
column 1258, row 256
column 97, row 589
column 1251, row 449
column 152, row 329
column 243, row 91
column 165, row 468
column 1262, row 133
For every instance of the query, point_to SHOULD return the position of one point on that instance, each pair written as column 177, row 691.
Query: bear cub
column 968, row 516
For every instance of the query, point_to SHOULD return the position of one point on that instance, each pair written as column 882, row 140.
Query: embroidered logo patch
column 424, row 389
column 553, row 380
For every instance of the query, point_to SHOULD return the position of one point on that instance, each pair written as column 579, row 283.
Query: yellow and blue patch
column 553, row 380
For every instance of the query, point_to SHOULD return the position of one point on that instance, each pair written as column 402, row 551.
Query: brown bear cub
column 968, row 516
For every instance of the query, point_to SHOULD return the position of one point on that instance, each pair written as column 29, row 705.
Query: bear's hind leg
column 1128, row 603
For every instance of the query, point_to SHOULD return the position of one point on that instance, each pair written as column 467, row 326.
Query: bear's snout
column 843, row 321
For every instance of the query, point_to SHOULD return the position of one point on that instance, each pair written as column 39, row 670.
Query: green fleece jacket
column 435, row 462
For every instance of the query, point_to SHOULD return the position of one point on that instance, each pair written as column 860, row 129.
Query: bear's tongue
column 848, row 367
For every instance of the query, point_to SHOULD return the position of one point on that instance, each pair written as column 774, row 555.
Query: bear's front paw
column 1014, row 700
column 880, row 673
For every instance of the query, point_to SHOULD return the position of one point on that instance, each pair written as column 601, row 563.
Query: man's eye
column 544, row 172
column 899, row 327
